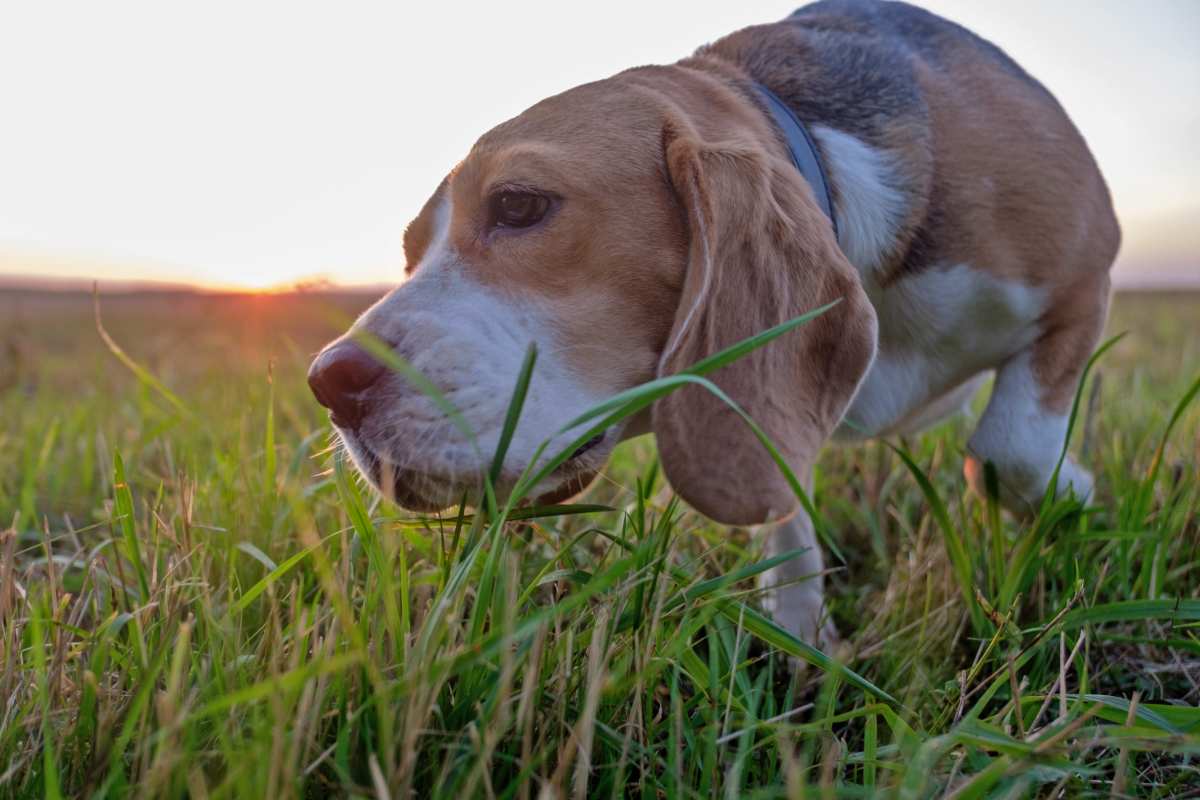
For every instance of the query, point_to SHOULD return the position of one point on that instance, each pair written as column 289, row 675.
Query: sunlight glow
column 255, row 145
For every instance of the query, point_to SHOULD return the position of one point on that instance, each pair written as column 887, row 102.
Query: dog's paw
column 1021, row 488
column 1074, row 478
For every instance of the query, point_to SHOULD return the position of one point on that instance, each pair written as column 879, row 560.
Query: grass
column 197, row 599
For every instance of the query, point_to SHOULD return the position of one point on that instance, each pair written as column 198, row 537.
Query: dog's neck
column 877, row 161
column 802, row 150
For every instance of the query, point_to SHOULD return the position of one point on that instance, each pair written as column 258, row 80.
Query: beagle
column 632, row 226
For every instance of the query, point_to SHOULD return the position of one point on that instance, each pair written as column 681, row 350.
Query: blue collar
column 802, row 150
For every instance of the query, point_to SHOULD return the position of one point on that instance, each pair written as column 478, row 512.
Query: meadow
column 198, row 600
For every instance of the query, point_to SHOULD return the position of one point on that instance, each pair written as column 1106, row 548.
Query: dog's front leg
column 795, row 590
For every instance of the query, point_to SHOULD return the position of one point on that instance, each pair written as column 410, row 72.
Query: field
column 195, row 601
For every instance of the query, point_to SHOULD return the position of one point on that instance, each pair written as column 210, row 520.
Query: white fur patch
column 955, row 401
column 869, row 208
column 937, row 330
column 435, row 254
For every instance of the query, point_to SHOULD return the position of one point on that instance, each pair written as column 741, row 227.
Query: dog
column 863, row 152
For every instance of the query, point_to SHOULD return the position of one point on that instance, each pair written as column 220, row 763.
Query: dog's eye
column 511, row 209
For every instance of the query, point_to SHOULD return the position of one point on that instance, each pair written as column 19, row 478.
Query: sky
column 240, row 144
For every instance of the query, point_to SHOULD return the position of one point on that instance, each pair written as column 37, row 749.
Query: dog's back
column 936, row 39
column 982, row 158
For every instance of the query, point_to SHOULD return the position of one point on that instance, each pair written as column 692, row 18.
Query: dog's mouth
column 415, row 490
column 426, row 491
column 590, row 444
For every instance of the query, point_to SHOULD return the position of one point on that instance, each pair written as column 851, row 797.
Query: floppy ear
column 760, row 252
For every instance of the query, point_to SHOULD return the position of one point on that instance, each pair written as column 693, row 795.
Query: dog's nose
column 339, row 376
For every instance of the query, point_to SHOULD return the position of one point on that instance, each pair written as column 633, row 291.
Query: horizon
column 28, row 282
column 302, row 152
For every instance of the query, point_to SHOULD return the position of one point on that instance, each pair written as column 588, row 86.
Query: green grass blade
column 1052, row 489
column 124, row 518
column 707, row 587
column 51, row 786
column 248, row 597
column 772, row 634
column 289, row 681
column 956, row 548
column 1146, row 488
column 513, row 415
column 269, row 454
column 1177, row 610
column 143, row 375
column 252, row 550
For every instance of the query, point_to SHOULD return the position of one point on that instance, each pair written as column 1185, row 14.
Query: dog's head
column 629, row 228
